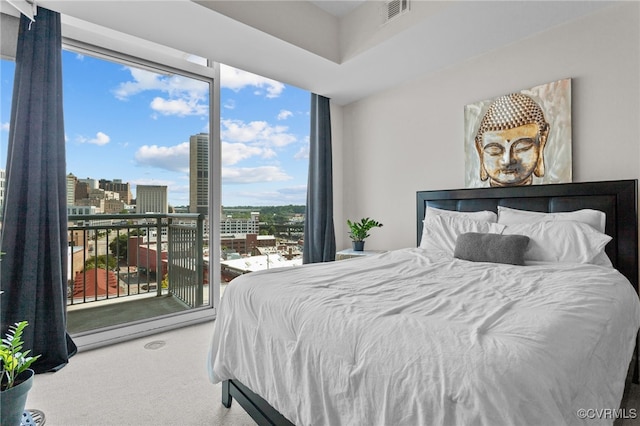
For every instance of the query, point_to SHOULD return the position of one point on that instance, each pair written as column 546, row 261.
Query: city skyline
column 135, row 125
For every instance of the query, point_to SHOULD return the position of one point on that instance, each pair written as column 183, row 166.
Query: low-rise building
column 246, row 243
column 233, row 268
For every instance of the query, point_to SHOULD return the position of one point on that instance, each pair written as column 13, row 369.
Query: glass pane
column 131, row 136
column 135, row 153
column 265, row 145
column 7, row 70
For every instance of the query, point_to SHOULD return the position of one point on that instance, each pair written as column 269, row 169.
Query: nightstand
column 350, row 253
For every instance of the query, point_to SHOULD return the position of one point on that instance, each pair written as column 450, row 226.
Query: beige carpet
column 127, row 384
column 164, row 384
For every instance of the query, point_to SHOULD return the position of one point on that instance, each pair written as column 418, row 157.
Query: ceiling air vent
column 394, row 8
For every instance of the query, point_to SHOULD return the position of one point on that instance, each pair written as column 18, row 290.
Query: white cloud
column 233, row 153
column 174, row 158
column 142, row 80
column 302, row 154
column 5, row 127
column 229, row 104
column 242, row 175
column 284, row 114
column 241, row 140
column 100, row 139
column 269, row 153
column 256, row 132
column 179, row 107
column 184, row 96
column 235, row 79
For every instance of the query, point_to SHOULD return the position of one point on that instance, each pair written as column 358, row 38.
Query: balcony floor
column 95, row 315
column 157, row 380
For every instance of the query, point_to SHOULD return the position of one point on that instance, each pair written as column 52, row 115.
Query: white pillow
column 481, row 216
column 509, row 216
column 441, row 232
column 560, row 241
column 602, row 259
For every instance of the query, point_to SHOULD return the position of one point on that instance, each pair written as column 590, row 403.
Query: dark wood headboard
column 618, row 199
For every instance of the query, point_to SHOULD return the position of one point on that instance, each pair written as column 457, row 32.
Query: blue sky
column 134, row 125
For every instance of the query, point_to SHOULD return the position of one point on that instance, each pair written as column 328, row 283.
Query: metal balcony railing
column 186, row 275
column 118, row 255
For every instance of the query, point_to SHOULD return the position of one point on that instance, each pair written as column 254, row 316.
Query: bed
column 418, row 336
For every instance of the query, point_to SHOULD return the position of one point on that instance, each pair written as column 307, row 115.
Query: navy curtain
column 34, row 230
column 319, row 233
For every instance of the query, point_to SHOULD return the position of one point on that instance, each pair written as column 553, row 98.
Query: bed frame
column 618, row 199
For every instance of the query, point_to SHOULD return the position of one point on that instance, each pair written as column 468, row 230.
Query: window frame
column 209, row 74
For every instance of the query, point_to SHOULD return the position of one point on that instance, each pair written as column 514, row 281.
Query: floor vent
column 156, row 344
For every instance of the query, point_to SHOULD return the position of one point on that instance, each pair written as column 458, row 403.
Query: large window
column 141, row 154
column 137, row 137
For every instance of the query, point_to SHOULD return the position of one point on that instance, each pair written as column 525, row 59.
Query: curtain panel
column 33, row 271
column 319, row 234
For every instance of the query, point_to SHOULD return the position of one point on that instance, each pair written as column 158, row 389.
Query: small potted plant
column 358, row 231
column 17, row 377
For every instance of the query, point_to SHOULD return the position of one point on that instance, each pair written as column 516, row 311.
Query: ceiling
column 338, row 8
column 338, row 49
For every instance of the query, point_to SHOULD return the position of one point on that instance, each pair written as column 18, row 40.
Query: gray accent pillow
column 495, row 248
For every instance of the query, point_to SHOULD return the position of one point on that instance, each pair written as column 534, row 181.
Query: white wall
column 411, row 138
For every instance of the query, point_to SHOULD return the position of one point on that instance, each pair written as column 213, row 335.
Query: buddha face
column 510, row 141
column 510, row 156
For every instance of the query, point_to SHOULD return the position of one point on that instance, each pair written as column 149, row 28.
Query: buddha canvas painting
column 521, row 138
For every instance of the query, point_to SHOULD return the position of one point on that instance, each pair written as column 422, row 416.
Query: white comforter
column 412, row 337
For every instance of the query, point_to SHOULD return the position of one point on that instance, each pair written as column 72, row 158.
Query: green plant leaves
column 360, row 230
column 14, row 361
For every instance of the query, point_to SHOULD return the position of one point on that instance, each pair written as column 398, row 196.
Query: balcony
column 129, row 268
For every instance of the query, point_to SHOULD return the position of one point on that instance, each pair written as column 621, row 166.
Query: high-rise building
column 152, row 199
column 199, row 173
column 116, row 185
column 91, row 183
column 71, row 189
column 81, row 191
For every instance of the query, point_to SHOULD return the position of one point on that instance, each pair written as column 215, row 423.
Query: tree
column 103, row 262
column 120, row 245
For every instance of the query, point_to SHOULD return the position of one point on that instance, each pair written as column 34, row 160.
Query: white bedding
column 414, row 337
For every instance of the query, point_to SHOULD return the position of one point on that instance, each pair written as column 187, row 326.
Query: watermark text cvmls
column 607, row 413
